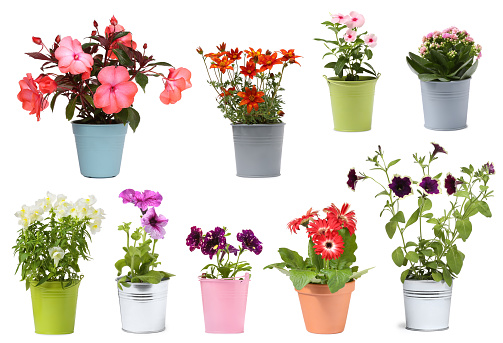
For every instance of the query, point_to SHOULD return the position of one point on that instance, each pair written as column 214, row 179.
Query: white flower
column 96, row 213
column 82, row 210
column 22, row 214
column 56, row 254
column 91, row 200
column 34, row 213
column 95, row 226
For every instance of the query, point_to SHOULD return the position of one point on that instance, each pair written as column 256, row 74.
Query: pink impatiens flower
column 31, row 97
column 71, row 58
column 46, row 84
column 177, row 81
column 350, row 36
column 370, row 40
column 116, row 91
column 355, row 19
column 126, row 40
column 339, row 18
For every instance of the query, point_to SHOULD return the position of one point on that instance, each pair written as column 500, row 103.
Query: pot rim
column 337, row 80
column 446, row 82
column 350, row 289
column 249, row 125
column 97, row 125
column 141, row 283
column 245, row 278
column 426, row 281
column 76, row 283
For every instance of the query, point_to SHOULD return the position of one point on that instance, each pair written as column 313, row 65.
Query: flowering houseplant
column 352, row 48
column 332, row 244
column 97, row 77
column 446, row 56
column 140, row 258
column 437, row 258
column 53, row 237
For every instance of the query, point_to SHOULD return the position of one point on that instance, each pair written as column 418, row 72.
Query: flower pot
column 99, row 148
column 258, row 149
column 325, row 312
column 143, row 307
column 445, row 104
column 224, row 304
column 352, row 103
column 427, row 305
column 54, row 307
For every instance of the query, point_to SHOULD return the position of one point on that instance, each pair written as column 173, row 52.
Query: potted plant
column 223, row 291
column 143, row 290
column 99, row 79
column 351, row 94
column 326, row 279
column 432, row 261
column 248, row 93
column 53, row 237
column 446, row 63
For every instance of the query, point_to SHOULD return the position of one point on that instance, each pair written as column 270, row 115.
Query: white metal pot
column 427, row 305
column 143, row 307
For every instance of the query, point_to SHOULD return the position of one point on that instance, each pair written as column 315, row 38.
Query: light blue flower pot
column 99, row 148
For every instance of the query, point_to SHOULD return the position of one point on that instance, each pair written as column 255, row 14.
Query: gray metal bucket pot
column 445, row 104
column 143, row 307
column 427, row 305
column 258, row 149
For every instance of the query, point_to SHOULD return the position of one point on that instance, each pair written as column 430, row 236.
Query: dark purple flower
column 147, row 198
column 450, row 184
column 490, row 168
column 154, row 224
column 438, row 149
column 401, row 186
column 128, row 195
column 213, row 241
column 429, row 185
column 353, row 178
column 249, row 241
column 195, row 238
column 233, row 250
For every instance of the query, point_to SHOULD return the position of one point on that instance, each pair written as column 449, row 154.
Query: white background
column 185, row 151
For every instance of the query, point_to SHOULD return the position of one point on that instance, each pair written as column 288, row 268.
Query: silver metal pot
column 427, row 305
column 143, row 307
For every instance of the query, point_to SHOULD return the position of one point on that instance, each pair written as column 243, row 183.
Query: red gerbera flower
column 294, row 224
column 234, row 54
column 223, row 64
column 341, row 218
column 268, row 61
column 330, row 246
column 289, row 56
column 249, row 70
column 251, row 98
column 318, row 228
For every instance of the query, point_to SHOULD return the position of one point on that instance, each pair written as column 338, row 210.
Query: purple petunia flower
column 195, row 238
column 401, row 186
column 429, row 185
column 154, row 224
column 147, row 198
column 128, row 196
column 249, row 241
column 353, row 178
column 450, row 184
column 213, row 241
column 438, row 149
column 233, row 250
column 490, row 168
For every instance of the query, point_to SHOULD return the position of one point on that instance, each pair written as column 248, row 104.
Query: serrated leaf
column 316, row 259
column 359, row 274
column 337, row 278
column 292, row 258
column 300, row 278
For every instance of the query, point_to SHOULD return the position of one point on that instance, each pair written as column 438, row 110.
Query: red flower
column 251, row 98
column 339, row 219
column 234, row 54
column 221, row 47
column 318, row 228
column 31, row 97
column 330, row 246
column 213, row 55
column 293, row 226
column 222, row 64
column 253, row 55
column 249, row 70
column 46, row 84
column 226, row 92
column 126, row 40
column 36, row 40
column 289, row 56
column 268, row 61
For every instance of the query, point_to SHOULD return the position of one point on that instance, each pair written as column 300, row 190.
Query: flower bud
column 113, row 21
column 144, row 46
column 36, row 40
column 291, row 60
column 57, row 39
column 281, row 113
column 199, row 50
column 268, row 52
column 95, row 23
column 93, row 33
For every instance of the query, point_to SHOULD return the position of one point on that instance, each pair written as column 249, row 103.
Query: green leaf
column 413, row 218
column 316, row 260
column 437, row 276
column 369, row 53
column 428, row 77
column 427, row 252
column 119, row 265
column 483, row 208
column 292, row 258
column 470, row 71
column 463, row 194
column 142, row 80
column 280, row 267
column 348, row 256
column 427, row 205
column 358, row 274
column 397, row 256
column 404, row 275
column 412, row 256
column 392, row 163
column 330, row 65
column 300, row 278
column 382, row 193
column 53, row 101
column 152, row 277
column 399, row 217
column 165, row 64
column 119, row 35
column 133, row 118
column 447, row 276
column 122, row 116
column 391, row 229
column 337, row 278
column 123, row 58
column 455, row 260
column 339, row 65
column 464, row 228
column 70, row 108
column 410, row 244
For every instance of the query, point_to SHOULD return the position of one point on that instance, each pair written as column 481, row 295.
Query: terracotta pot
column 325, row 312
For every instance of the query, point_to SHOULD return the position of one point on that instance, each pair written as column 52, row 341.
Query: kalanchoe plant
column 214, row 244
column 449, row 55
column 248, row 91
column 140, row 258
column 437, row 256
column 332, row 246
column 97, row 77
column 53, row 237
column 351, row 49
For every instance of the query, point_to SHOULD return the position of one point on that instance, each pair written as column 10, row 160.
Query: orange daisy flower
column 234, row 54
column 221, row 47
column 251, row 98
column 249, row 70
column 213, row 55
column 330, row 246
column 223, row 64
column 289, row 56
column 253, row 55
column 268, row 61
column 226, row 92
column 293, row 226
column 341, row 218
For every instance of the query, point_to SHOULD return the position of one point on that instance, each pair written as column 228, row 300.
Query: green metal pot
column 54, row 307
column 352, row 103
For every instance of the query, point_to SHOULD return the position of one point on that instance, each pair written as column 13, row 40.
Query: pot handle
column 247, row 277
